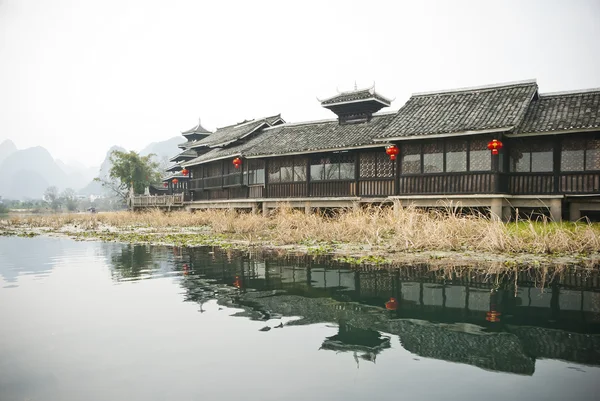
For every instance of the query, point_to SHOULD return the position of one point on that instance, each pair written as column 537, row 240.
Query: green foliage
column 131, row 171
column 69, row 199
column 3, row 208
column 52, row 198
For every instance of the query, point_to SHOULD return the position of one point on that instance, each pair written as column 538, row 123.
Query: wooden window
column 254, row 174
column 580, row 154
column 433, row 157
column 535, row 156
column 332, row 167
column 213, row 169
column 456, row 156
column 376, row 165
column 592, row 155
column 480, row 157
column 287, row 170
column 410, row 155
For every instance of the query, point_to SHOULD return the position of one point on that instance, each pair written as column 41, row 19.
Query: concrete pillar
column 556, row 209
column 506, row 213
column 254, row 208
column 355, row 206
column 265, row 209
column 307, row 209
column 574, row 211
column 496, row 209
column 397, row 207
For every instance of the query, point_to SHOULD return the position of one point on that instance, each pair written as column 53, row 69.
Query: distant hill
column 6, row 149
column 94, row 187
column 164, row 150
column 27, row 173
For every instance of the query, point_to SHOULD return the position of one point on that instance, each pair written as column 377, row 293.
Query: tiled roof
column 302, row 138
column 353, row 96
column 470, row 109
column 563, row 112
column 309, row 137
column 232, row 133
column 185, row 155
column 174, row 167
column 198, row 129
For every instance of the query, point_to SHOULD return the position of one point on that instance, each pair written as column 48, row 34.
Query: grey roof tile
column 198, row 129
column 299, row 138
column 232, row 133
column 562, row 112
column 353, row 96
column 471, row 109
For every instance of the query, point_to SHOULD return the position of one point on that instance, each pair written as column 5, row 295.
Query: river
column 106, row 321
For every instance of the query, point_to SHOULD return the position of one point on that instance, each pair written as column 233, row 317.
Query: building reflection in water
column 475, row 319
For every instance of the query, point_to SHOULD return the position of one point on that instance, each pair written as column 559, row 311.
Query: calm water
column 105, row 321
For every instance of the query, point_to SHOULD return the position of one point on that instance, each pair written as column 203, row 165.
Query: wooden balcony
column 449, row 183
column 157, row 200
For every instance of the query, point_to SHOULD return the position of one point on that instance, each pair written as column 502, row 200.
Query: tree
column 52, row 198
column 130, row 171
column 69, row 199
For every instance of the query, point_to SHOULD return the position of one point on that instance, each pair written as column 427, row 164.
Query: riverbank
column 375, row 236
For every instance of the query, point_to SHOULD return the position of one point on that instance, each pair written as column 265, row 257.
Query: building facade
column 500, row 147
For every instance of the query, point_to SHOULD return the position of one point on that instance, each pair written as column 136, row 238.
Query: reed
column 404, row 230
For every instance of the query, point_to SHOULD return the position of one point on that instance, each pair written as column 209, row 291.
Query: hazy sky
column 80, row 76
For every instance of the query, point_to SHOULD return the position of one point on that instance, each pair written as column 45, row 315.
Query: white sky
column 80, row 76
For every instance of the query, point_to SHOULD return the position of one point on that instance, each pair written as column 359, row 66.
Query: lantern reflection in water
column 392, row 304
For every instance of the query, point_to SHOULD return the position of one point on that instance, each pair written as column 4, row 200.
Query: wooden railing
column 332, row 188
column 287, row 190
column 579, row 183
column 376, row 187
column 157, row 200
column 449, row 183
column 531, row 183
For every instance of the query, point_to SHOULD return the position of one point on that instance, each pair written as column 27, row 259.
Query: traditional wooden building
column 500, row 147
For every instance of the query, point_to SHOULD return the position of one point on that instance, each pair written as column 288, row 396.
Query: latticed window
column 338, row 166
column 433, row 157
column 376, row 165
column 480, row 157
column 580, row 154
column 411, row 158
column 456, row 156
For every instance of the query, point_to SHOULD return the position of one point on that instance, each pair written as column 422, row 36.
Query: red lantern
column 392, row 304
column 175, row 181
column 392, row 151
column 493, row 316
column 237, row 162
column 494, row 145
column 165, row 184
column 185, row 171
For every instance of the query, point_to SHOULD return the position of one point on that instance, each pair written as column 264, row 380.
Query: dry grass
column 407, row 229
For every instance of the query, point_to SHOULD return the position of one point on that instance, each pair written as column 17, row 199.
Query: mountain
column 6, row 149
column 163, row 150
column 94, row 187
column 27, row 173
